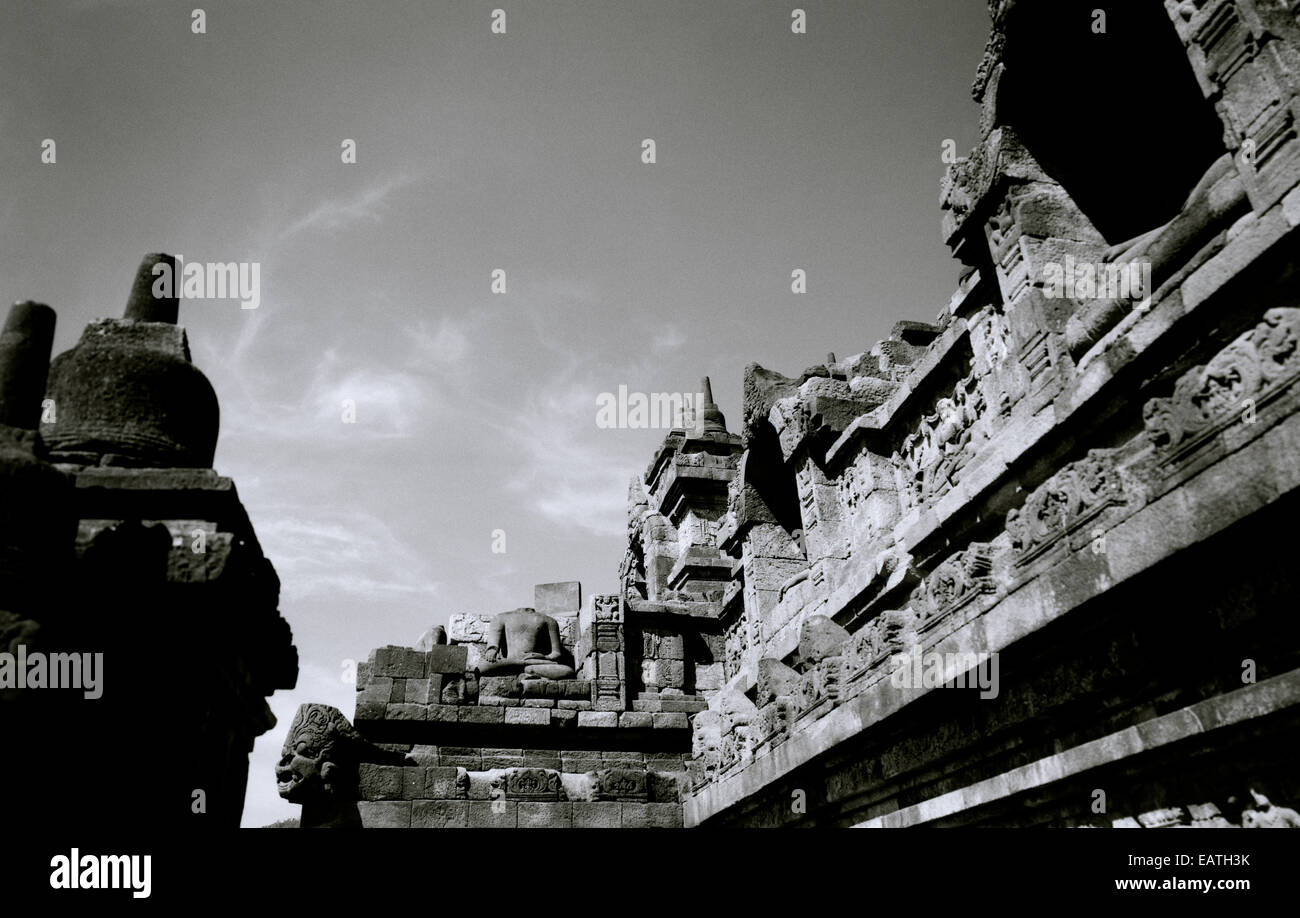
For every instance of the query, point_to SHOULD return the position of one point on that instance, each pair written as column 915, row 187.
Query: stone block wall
column 447, row 747
column 617, row 793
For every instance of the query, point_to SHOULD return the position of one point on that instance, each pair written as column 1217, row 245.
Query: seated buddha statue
column 527, row 643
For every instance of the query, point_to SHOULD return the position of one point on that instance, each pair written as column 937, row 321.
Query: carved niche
column 622, row 784
column 875, row 643
column 739, row 639
column 931, row 457
column 1251, row 370
column 1064, row 505
column 532, row 784
column 960, row 579
column 821, row 683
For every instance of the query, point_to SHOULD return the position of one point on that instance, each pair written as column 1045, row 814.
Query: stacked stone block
column 508, row 751
column 609, row 794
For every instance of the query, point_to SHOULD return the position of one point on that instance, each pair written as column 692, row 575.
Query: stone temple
column 1028, row 564
column 118, row 538
column 1025, row 565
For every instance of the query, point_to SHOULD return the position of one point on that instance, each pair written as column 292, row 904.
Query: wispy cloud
column 337, row 213
column 380, row 402
column 445, row 344
column 576, row 474
column 383, row 403
column 338, row 552
column 669, row 338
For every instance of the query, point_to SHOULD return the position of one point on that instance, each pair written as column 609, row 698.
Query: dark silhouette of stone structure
column 119, row 539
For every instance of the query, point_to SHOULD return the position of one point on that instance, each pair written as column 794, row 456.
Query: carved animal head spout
column 318, row 763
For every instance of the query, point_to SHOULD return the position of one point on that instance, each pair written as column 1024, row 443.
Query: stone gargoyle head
column 319, row 760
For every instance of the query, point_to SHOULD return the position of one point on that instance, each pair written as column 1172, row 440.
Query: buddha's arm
column 557, row 646
column 493, row 638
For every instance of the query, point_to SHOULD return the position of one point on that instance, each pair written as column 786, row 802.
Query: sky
column 475, row 411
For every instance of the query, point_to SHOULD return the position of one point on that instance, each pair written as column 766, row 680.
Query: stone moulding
column 774, row 720
column 1251, row 371
column 1065, row 504
column 1227, row 44
column 877, row 641
column 739, row 637
column 962, row 578
column 820, row 684
column 622, row 784
column 532, row 784
column 930, row 458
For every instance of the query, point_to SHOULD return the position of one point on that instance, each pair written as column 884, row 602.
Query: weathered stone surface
column 493, row 814
column 563, row 598
column 671, row 721
column 405, row 712
column 446, row 783
column 380, row 782
column 598, row 815
column 480, row 715
column 598, row 719
column 664, row 788
column 709, row 677
column 400, row 662
column 734, row 706
column 379, row 690
column 444, row 658
column 622, row 784
column 482, row 783
column 418, row 690
column 538, row 815
column 543, row 758
column 472, row 762
column 413, row 782
column 775, row 679
column 465, row 627
column 819, row 638
column 540, row 717
column 560, row 717
column 499, row 686
column 634, row 815
column 581, row 760
column 683, row 705
column 385, row 814
column 532, row 784
column 664, row 815
column 440, row 814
